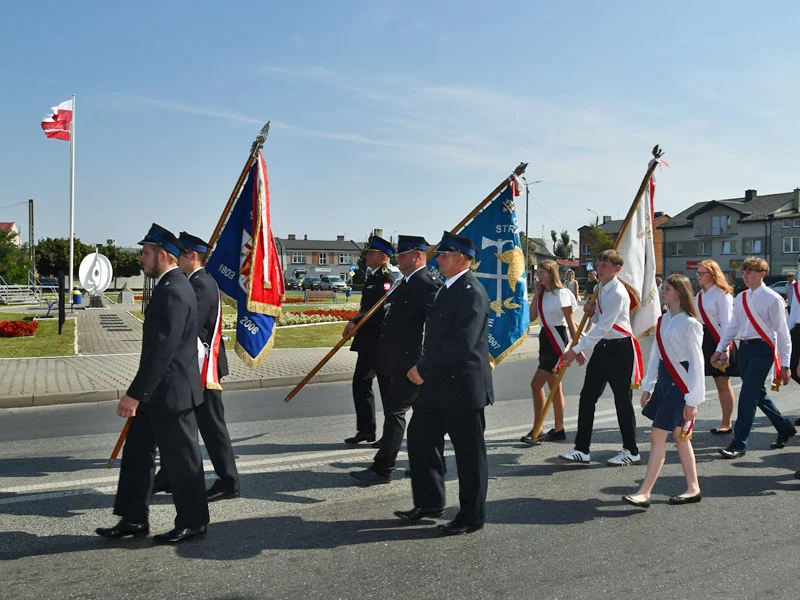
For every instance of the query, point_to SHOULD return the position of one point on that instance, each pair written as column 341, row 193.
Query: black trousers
column 612, row 364
column 363, row 396
column 211, row 422
column 425, row 436
column 176, row 436
column 795, row 360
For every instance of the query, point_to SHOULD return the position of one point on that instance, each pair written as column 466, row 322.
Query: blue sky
column 392, row 115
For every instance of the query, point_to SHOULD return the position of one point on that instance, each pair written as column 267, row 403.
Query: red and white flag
column 57, row 124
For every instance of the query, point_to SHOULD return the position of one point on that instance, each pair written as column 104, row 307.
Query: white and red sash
column 678, row 373
column 552, row 333
column 796, row 290
column 208, row 356
column 707, row 322
column 638, row 365
column 761, row 329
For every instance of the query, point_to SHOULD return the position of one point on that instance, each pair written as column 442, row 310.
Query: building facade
column 728, row 231
column 317, row 257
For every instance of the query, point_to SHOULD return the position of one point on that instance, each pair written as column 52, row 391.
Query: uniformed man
column 399, row 350
column 379, row 281
column 456, row 380
column 161, row 401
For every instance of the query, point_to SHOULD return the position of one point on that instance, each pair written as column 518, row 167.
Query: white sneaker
column 576, row 456
column 624, row 459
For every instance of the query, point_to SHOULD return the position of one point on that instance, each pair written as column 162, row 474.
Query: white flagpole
column 72, row 199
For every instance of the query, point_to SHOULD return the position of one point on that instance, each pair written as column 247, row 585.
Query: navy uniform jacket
column 455, row 355
column 401, row 337
column 207, row 292
column 376, row 285
column 168, row 378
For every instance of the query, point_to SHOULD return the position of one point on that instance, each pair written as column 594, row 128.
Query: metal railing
column 715, row 230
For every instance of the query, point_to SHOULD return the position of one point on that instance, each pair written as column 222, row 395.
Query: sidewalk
column 109, row 343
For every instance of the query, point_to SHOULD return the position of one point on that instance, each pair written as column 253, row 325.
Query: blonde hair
column 753, row 263
column 551, row 267
column 570, row 272
column 683, row 287
column 716, row 274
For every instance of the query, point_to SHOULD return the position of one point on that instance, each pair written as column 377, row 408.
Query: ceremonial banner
column 56, row 125
column 639, row 271
column 500, row 267
column 246, row 267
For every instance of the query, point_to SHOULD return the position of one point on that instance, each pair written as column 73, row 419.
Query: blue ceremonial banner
column 500, row 267
column 245, row 265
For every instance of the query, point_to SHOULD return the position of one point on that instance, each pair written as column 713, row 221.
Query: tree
column 562, row 245
column 124, row 263
column 14, row 260
column 361, row 274
column 52, row 255
column 601, row 240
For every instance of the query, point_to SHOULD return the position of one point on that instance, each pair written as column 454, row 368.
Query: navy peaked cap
column 456, row 243
column 378, row 243
column 191, row 242
column 164, row 238
column 406, row 243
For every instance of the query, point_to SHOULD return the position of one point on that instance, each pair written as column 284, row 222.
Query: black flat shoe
column 685, row 499
column 527, row 438
column 730, row 452
column 717, row 431
column 177, row 536
column 636, row 503
column 455, row 528
column 553, row 436
column 370, row 477
column 214, row 495
column 360, row 437
column 416, row 514
column 122, row 529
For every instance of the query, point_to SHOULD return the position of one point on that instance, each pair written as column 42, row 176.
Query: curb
column 33, row 400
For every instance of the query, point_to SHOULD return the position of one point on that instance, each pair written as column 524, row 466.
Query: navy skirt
column 709, row 347
column 548, row 356
column 666, row 404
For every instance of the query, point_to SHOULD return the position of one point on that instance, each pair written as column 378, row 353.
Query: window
column 676, row 249
column 752, row 247
column 791, row 245
column 323, row 258
column 796, row 223
column 786, row 223
column 586, row 250
column 345, row 259
column 720, row 225
column 729, row 247
column 298, row 258
column 703, row 248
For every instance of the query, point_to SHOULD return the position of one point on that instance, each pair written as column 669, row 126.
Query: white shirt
column 553, row 302
column 717, row 305
column 616, row 304
column 769, row 306
column 158, row 279
column 794, row 307
column 455, row 277
column 682, row 337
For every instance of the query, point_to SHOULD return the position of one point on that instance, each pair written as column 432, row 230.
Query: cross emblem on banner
column 498, row 274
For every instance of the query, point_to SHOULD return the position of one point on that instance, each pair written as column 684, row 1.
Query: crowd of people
column 428, row 348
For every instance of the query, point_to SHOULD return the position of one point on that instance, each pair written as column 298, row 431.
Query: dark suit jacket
column 168, row 378
column 455, row 355
column 207, row 292
column 401, row 337
column 376, row 285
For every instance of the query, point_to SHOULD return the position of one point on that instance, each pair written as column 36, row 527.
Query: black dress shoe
column 179, row 535
column 636, row 503
column 416, row 514
column 456, row 528
column 528, row 439
column 783, row 439
column 122, row 529
column 371, row 477
column 553, row 436
column 376, row 444
column 732, row 452
column 797, row 474
column 215, row 493
column 360, row 437
column 685, row 499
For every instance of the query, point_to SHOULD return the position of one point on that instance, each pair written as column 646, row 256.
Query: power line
column 18, row 203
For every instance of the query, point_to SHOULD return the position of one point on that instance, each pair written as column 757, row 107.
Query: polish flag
column 57, row 125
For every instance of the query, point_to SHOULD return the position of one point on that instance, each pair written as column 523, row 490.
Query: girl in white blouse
column 678, row 377
column 557, row 305
column 715, row 307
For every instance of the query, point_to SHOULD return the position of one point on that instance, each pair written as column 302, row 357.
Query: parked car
column 310, row 283
column 292, row 283
column 783, row 288
column 49, row 281
column 332, row 282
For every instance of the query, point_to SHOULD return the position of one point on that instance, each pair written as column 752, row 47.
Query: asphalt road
column 304, row 529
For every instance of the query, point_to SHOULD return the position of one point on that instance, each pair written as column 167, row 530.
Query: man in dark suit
column 379, row 281
column 160, row 403
column 456, row 381
column 399, row 349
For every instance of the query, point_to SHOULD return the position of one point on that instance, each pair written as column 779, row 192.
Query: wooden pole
column 657, row 153
column 518, row 171
column 255, row 148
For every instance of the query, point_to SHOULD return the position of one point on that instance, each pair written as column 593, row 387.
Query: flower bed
column 12, row 329
column 321, row 315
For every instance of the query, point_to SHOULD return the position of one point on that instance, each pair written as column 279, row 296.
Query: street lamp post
column 527, row 231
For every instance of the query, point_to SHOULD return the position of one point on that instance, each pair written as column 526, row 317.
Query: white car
column 332, row 282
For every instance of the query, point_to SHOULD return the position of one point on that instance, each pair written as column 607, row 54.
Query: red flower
column 344, row 315
column 18, row 328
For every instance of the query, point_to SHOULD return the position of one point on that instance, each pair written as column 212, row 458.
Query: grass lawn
column 46, row 342
column 314, row 336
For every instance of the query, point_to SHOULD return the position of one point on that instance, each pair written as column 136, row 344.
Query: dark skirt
column 666, row 404
column 548, row 356
column 709, row 347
